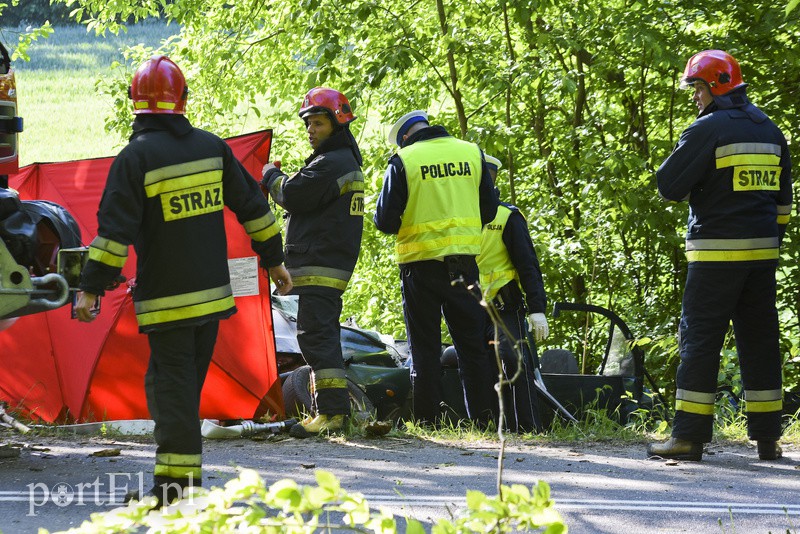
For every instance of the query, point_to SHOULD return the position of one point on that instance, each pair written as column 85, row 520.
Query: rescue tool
column 212, row 430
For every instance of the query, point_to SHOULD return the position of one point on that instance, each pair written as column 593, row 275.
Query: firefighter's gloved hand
column 267, row 169
column 270, row 181
column 537, row 323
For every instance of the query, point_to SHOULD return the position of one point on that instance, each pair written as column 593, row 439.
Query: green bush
column 246, row 504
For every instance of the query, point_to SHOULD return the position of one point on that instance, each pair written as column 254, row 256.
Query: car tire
column 297, row 391
column 298, row 401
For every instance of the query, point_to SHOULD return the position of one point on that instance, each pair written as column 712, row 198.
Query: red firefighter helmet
column 330, row 101
column 717, row 68
column 158, row 86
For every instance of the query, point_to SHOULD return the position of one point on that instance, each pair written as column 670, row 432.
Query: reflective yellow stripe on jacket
column 442, row 215
column 496, row 268
column 108, row 252
column 738, row 154
column 262, row 228
column 784, row 213
column 761, row 248
column 187, row 189
column 353, row 182
column 185, row 306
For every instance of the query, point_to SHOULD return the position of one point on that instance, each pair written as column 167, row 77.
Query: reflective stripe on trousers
column 713, row 297
column 179, row 360
column 319, row 338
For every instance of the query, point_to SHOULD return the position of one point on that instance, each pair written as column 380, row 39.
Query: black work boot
column 769, row 450
column 677, row 449
column 166, row 490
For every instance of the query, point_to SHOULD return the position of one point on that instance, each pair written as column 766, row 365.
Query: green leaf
column 327, row 480
column 414, row 527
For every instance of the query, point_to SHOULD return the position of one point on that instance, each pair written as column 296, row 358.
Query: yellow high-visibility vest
column 494, row 262
column 442, row 215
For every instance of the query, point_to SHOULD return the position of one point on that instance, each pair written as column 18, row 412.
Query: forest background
column 579, row 100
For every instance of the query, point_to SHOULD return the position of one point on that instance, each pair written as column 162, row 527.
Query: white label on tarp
column 244, row 276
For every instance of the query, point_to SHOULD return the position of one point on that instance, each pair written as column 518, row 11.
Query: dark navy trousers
column 713, row 297
column 520, row 403
column 179, row 361
column 319, row 338
column 427, row 296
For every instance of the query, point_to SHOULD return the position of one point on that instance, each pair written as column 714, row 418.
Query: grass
column 56, row 89
column 596, row 426
column 57, row 96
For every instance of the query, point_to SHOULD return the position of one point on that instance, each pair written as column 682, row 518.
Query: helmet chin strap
column 323, row 111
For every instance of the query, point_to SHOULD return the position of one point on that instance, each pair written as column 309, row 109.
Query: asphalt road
column 56, row 482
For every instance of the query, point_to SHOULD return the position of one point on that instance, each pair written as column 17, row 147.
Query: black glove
column 269, row 178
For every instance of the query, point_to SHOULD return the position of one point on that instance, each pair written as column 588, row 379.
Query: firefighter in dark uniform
column 164, row 195
column 324, row 203
column 437, row 194
column 511, row 280
column 732, row 165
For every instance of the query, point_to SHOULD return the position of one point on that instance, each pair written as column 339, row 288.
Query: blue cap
column 403, row 124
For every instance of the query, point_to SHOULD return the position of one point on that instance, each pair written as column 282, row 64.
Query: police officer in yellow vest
column 437, row 194
column 512, row 281
column 182, row 281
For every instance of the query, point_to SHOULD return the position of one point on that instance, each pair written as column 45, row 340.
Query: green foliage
column 246, row 504
column 729, row 422
column 451, row 431
column 730, row 375
column 22, row 12
column 25, row 38
column 791, row 369
column 64, row 117
column 70, row 49
column 595, row 423
column 791, row 433
column 580, row 108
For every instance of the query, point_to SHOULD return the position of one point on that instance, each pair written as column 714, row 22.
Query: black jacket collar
column 177, row 125
column 730, row 100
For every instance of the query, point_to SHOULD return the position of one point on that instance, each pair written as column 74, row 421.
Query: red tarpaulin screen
column 57, row 369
